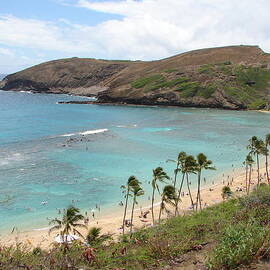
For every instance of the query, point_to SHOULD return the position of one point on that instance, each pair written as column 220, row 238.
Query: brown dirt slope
column 234, row 77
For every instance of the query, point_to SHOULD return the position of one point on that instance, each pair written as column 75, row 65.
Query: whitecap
column 93, row 131
column 68, row 135
column 42, row 229
column 87, row 132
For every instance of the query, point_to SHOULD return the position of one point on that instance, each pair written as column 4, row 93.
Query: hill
column 2, row 76
column 234, row 77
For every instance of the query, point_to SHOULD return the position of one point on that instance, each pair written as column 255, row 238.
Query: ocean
column 53, row 155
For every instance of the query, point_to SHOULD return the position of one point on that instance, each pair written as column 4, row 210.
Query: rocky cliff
column 234, row 77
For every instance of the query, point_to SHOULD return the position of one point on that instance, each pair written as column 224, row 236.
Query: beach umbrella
column 66, row 238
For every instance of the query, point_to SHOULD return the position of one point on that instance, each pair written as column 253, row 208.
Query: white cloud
column 147, row 29
column 7, row 52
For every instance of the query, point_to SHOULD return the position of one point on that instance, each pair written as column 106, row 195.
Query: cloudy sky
column 34, row 31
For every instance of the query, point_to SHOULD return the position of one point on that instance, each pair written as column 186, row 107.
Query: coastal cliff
column 234, row 77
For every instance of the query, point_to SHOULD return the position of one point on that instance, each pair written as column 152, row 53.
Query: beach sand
column 210, row 195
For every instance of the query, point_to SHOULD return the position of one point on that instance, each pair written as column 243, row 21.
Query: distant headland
column 233, row 77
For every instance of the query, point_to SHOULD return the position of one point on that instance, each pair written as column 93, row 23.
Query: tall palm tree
column 158, row 176
column 249, row 161
column 267, row 143
column 190, row 166
column 180, row 159
column 202, row 164
column 136, row 192
column 132, row 181
column 168, row 196
column 246, row 169
column 256, row 147
column 69, row 223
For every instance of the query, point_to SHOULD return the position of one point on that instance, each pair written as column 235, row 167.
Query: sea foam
column 87, row 132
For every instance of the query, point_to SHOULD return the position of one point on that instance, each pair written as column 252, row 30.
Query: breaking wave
column 87, row 132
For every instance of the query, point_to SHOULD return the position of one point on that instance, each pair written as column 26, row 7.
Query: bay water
column 54, row 155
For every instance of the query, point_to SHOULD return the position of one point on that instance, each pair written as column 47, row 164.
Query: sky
column 35, row 31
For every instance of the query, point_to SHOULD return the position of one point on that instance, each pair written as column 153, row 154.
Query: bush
column 226, row 192
column 141, row 82
column 239, row 244
column 258, row 197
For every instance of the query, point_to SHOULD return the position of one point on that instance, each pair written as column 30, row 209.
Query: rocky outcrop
column 234, row 77
column 74, row 76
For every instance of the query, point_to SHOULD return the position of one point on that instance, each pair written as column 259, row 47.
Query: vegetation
column 158, row 176
column 95, row 238
column 132, row 183
column 202, row 164
column 244, row 85
column 237, row 229
column 136, row 191
column 257, row 147
column 69, row 222
column 226, row 192
column 168, row 196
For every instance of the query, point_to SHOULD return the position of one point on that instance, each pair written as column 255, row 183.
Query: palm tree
column 137, row 191
column 246, row 169
column 267, row 143
column 180, row 159
column 202, row 163
column 69, row 222
column 158, row 176
column 132, row 181
column 256, row 147
column 249, row 161
column 190, row 167
column 168, row 196
column 94, row 236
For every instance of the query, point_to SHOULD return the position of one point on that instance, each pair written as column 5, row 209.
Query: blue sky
column 52, row 10
column 34, row 31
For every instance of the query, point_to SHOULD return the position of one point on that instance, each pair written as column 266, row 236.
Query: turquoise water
column 41, row 161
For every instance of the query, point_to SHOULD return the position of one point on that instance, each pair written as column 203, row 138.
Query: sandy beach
column 211, row 194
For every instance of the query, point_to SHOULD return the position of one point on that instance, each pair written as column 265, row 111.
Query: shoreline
column 111, row 223
column 95, row 102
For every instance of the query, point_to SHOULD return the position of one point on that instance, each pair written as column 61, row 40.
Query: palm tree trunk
column 160, row 209
column 125, row 212
column 132, row 212
column 179, row 194
column 198, row 199
column 152, row 205
column 189, row 192
column 249, row 178
column 266, row 168
column 246, row 177
column 258, row 169
column 175, row 174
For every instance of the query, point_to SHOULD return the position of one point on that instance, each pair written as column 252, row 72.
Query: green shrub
column 258, row 197
column 207, row 91
column 141, row 82
column 188, row 89
column 238, row 245
column 207, row 69
column 170, row 70
column 257, row 104
column 226, row 192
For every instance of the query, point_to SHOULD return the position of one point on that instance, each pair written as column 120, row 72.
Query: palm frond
column 54, row 228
